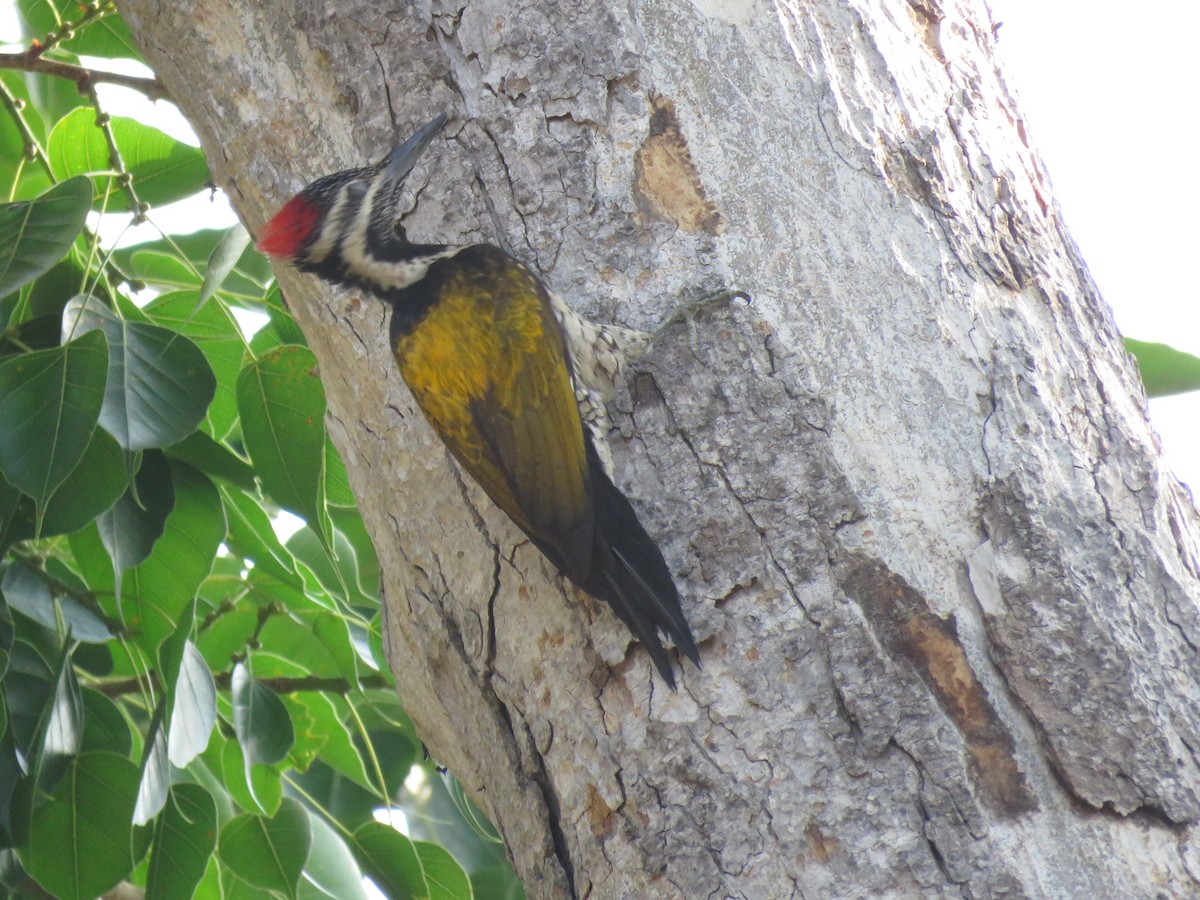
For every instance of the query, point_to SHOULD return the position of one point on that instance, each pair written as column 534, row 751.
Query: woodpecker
column 513, row 381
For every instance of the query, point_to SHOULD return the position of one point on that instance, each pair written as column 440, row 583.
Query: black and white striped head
column 343, row 226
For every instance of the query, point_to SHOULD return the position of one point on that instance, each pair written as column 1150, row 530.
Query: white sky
column 1111, row 99
column 1110, row 94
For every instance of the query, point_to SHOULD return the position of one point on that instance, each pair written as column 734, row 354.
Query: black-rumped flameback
column 511, row 379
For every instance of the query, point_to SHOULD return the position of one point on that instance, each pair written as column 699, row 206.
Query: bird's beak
column 401, row 160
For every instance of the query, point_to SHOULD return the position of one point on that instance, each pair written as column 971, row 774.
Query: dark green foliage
column 187, row 702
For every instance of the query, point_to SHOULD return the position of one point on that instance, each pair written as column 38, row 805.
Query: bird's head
column 346, row 215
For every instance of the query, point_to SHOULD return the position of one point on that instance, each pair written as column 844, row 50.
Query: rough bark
column 947, row 595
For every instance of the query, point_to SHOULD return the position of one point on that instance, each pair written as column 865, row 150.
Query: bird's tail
column 629, row 573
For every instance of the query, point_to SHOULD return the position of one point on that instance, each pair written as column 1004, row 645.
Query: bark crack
column 935, row 852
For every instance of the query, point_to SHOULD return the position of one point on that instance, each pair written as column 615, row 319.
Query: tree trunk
column 946, row 593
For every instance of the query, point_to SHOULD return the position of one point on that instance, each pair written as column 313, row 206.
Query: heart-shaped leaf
column 268, row 853
column 159, row 383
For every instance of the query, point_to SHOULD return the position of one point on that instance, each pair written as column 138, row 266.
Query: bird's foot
column 689, row 312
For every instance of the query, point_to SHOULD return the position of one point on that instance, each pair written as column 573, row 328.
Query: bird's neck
column 383, row 268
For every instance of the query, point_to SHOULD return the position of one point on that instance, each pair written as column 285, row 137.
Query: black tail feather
column 629, row 573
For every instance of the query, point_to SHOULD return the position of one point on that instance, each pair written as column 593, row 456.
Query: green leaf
column 334, row 633
column 219, row 338
column 252, row 537
column 193, row 709
column 349, row 524
column 138, row 518
column 201, row 452
column 49, row 403
column 391, row 860
column 337, row 485
column 164, row 170
column 79, row 842
column 331, row 868
column 93, row 659
column 41, row 333
column 161, row 268
column 7, row 635
column 291, row 637
column 154, row 783
column 28, row 689
column 159, row 383
column 28, row 593
column 336, row 572
column 156, row 262
column 18, row 179
column 337, row 749
column 104, row 727
column 223, row 260
column 10, row 530
column 167, row 581
column 443, row 874
column 12, row 779
column 184, row 839
column 107, row 36
column 260, row 720
column 63, row 734
column 268, row 853
column 35, row 234
column 191, row 694
column 251, row 787
column 91, row 559
column 1164, row 369
column 497, row 882
column 282, row 406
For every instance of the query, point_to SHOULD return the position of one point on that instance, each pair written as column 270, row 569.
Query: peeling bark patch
column 928, row 18
column 668, row 185
column 905, row 626
column 820, row 847
column 599, row 814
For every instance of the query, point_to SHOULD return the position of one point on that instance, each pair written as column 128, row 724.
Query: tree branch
column 278, row 685
column 85, row 79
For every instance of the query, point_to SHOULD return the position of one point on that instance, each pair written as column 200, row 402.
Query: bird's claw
column 688, row 312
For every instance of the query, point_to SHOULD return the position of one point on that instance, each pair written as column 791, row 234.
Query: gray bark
column 946, row 592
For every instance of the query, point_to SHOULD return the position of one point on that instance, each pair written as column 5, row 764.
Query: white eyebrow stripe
column 327, row 240
column 386, row 274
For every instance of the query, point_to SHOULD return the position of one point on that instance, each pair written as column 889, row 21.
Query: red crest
column 290, row 229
